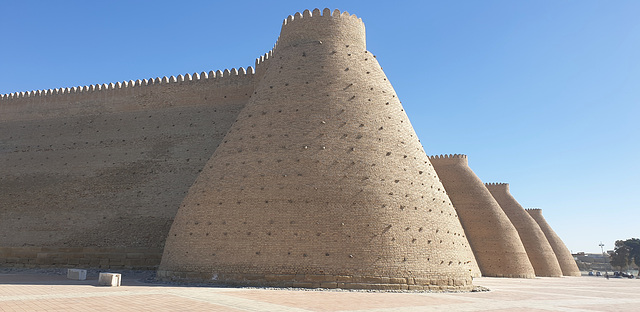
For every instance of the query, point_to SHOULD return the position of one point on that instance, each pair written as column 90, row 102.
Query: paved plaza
column 23, row 291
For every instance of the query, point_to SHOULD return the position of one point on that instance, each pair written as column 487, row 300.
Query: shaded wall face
column 321, row 179
column 565, row 259
column 538, row 249
column 107, row 169
column 493, row 238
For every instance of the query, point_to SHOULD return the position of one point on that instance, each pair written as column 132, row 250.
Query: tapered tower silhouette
column 321, row 182
column 565, row 259
column 539, row 251
column 494, row 240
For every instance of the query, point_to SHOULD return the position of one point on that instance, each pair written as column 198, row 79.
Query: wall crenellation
column 539, row 251
column 316, row 13
column 305, row 16
column 95, row 175
column 565, row 259
column 186, row 78
column 302, row 143
column 445, row 156
column 497, row 248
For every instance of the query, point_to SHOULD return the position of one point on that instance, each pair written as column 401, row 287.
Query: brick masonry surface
column 321, row 180
column 538, row 249
column 565, row 259
column 493, row 238
column 303, row 171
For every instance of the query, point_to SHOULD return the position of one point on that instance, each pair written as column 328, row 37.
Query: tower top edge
column 496, row 184
column 449, row 156
column 182, row 78
column 316, row 13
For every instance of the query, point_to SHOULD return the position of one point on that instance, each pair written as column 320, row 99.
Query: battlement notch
column 497, row 186
column 534, row 210
column 449, row 159
column 241, row 72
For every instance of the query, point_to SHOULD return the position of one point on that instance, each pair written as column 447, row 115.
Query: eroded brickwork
column 493, row 238
column 539, row 251
column 565, row 259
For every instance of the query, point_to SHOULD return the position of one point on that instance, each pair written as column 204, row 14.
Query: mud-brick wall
column 95, row 257
column 321, row 182
column 106, row 168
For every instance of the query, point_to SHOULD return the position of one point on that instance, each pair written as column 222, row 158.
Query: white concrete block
column 109, row 279
column 77, row 274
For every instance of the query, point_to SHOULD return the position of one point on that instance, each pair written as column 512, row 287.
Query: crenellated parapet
column 565, row 259
column 493, row 238
column 498, row 185
column 218, row 76
column 321, row 181
column 317, row 27
column 449, row 159
column 449, row 156
column 540, row 253
column 328, row 27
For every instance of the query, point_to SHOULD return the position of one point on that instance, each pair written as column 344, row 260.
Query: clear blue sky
column 544, row 95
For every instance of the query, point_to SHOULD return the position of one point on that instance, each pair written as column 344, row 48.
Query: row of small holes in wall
column 122, row 187
column 344, row 135
column 292, row 222
column 346, row 69
column 75, row 164
column 286, row 84
column 308, row 201
column 350, row 256
column 112, row 130
column 322, row 122
column 336, row 162
column 109, row 156
column 109, row 122
column 284, row 175
column 118, row 142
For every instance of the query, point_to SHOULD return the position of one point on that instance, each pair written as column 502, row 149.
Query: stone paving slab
column 45, row 292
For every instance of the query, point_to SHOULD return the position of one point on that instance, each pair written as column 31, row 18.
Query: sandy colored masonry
column 493, row 238
column 565, row 259
column 301, row 171
column 321, row 181
column 538, row 249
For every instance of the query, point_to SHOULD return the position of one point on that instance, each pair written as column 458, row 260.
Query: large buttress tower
column 321, row 182
column 565, row 259
column 493, row 238
column 535, row 242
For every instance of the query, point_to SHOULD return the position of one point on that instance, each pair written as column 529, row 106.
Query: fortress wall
column 88, row 257
column 321, row 182
column 107, row 168
column 493, row 238
column 539, row 251
column 126, row 96
column 565, row 259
